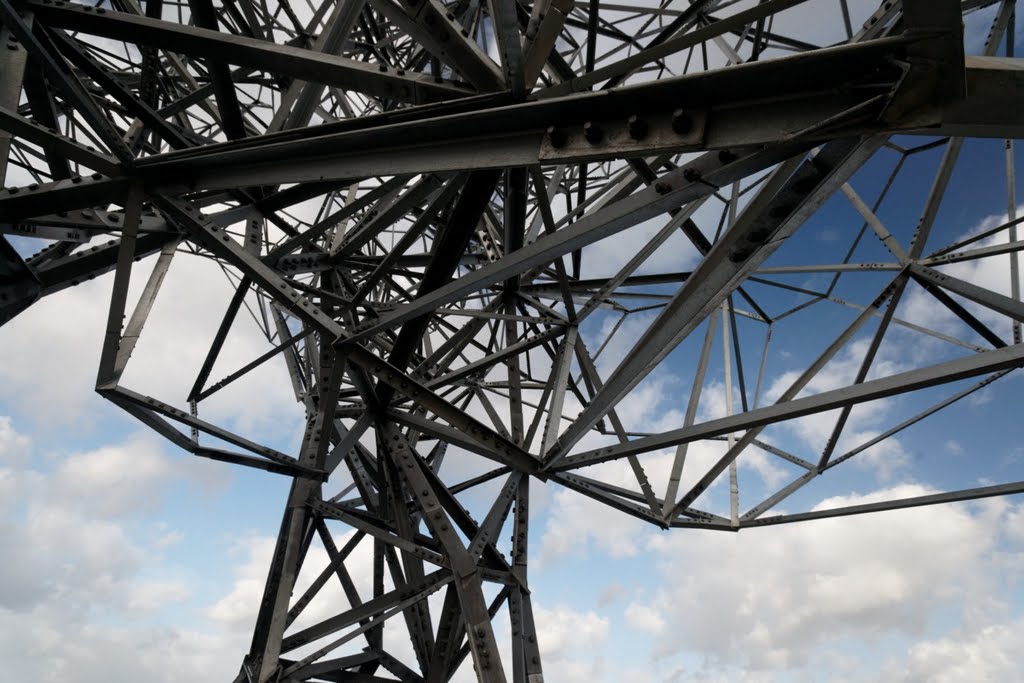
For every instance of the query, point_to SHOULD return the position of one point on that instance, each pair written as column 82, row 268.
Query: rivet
column 637, row 127
column 592, row 132
column 682, row 123
column 557, row 137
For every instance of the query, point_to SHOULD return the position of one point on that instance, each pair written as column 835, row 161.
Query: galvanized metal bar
column 943, row 373
column 915, row 501
column 307, row 65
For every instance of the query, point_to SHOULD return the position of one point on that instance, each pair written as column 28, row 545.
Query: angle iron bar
column 307, row 65
column 943, row 373
column 915, row 501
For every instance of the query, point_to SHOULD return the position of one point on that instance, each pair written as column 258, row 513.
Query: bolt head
column 557, row 137
column 682, row 123
column 637, row 127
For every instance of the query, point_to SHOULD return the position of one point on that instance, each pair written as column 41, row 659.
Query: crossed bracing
column 410, row 200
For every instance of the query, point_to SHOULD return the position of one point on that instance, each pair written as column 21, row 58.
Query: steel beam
column 308, row 65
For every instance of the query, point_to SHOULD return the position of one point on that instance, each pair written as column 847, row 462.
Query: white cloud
column 989, row 654
column 607, row 257
column 152, row 595
column 644, row 618
column 828, row 600
column 14, row 447
column 82, row 599
column 93, row 593
column 66, row 330
column 771, row 599
column 563, row 631
column 129, row 477
column 237, row 609
column 54, row 644
column 14, row 454
column 168, row 539
column 578, row 523
column 1015, row 524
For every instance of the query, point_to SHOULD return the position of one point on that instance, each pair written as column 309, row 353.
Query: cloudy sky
column 129, row 560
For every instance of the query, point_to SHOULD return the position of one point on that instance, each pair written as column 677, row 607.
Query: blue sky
column 128, row 559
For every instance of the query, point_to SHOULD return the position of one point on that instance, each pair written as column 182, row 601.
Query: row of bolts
column 682, row 123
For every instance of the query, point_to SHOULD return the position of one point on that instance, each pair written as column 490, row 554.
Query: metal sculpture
column 462, row 160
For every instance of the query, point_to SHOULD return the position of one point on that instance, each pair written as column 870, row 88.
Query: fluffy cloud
column 237, row 609
column 66, row 330
column 129, row 477
column 578, row 524
column 562, row 630
column 773, row 600
column 84, row 596
column 54, row 645
column 644, row 618
column 988, row 654
column 66, row 549
column 152, row 595
column 914, row 595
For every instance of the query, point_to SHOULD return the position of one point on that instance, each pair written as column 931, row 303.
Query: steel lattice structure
column 407, row 195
